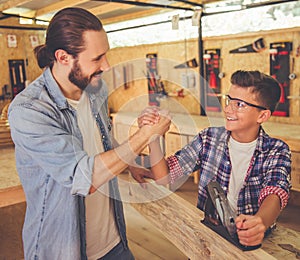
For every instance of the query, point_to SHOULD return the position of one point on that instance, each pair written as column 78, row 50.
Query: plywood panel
column 296, row 171
column 176, row 53
column 24, row 51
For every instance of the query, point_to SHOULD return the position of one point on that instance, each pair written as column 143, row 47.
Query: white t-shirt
column 240, row 156
column 101, row 231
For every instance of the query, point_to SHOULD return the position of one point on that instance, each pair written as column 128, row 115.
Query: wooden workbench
column 179, row 221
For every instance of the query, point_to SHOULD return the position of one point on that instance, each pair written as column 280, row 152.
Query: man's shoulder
column 31, row 92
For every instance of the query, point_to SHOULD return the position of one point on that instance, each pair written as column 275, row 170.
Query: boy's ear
column 264, row 116
column 62, row 56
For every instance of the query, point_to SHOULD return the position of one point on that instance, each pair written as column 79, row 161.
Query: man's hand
column 139, row 174
column 250, row 229
column 149, row 116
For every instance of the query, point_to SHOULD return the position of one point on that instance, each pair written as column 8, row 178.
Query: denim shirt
column 54, row 170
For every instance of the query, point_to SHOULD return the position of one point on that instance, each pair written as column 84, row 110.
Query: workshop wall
column 135, row 95
column 18, row 44
column 182, row 85
column 172, row 54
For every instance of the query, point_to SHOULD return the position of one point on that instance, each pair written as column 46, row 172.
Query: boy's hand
column 149, row 116
column 250, row 229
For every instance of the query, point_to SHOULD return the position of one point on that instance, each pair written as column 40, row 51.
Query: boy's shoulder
column 268, row 142
column 219, row 130
column 218, row 133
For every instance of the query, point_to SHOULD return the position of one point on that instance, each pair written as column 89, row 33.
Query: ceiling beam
column 108, row 7
column 189, row 2
column 57, row 6
column 12, row 3
column 139, row 14
column 134, row 15
column 146, row 4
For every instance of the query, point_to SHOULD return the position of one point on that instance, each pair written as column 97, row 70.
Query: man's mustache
column 97, row 73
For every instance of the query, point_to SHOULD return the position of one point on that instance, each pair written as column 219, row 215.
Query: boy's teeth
column 230, row 118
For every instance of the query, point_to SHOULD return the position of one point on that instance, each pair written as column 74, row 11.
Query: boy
column 252, row 168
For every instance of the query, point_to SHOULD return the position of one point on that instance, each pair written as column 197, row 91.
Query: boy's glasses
column 239, row 105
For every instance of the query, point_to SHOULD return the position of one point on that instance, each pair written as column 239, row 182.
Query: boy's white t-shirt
column 101, row 231
column 240, row 157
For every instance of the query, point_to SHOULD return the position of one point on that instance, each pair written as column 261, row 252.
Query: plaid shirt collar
column 263, row 140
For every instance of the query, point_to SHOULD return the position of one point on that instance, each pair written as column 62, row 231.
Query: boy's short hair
column 265, row 87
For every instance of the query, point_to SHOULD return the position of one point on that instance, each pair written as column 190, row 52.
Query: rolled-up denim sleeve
column 46, row 144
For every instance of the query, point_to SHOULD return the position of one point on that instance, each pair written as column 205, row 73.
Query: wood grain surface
column 179, row 221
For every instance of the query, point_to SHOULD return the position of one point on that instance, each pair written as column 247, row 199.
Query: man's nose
column 105, row 66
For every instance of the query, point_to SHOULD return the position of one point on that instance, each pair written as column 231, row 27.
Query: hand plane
column 220, row 217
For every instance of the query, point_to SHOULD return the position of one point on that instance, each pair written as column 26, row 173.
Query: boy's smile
column 242, row 118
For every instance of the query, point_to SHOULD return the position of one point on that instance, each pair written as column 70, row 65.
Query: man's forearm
column 109, row 164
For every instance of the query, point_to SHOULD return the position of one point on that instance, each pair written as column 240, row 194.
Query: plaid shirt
column 268, row 172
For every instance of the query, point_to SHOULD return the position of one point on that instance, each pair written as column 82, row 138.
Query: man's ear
column 264, row 116
column 62, row 56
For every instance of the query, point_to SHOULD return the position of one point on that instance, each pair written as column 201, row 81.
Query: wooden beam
column 139, row 14
column 108, row 7
column 57, row 6
column 12, row 3
column 135, row 15
column 179, row 221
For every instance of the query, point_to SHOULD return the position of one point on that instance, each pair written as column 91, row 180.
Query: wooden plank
column 140, row 252
column 12, row 195
column 12, row 3
column 106, row 8
column 295, row 175
column 180, row 223
column 57, row 6
column 281, row 235
column 145, row 241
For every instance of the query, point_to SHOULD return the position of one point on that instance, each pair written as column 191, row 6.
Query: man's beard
column 77, row 78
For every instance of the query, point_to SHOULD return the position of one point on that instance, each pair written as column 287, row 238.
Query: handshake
column 154, row 121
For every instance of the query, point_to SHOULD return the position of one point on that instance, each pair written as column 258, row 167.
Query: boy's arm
column 272, row 198
column 159, row 166
column 251, row 229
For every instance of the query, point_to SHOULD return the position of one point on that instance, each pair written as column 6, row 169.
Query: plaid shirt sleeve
column 281, row 193
column 186, row 160
column 277, row 177
column 175, row 169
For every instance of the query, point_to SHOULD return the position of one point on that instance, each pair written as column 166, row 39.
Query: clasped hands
column 154, row 115
column 156, row 122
